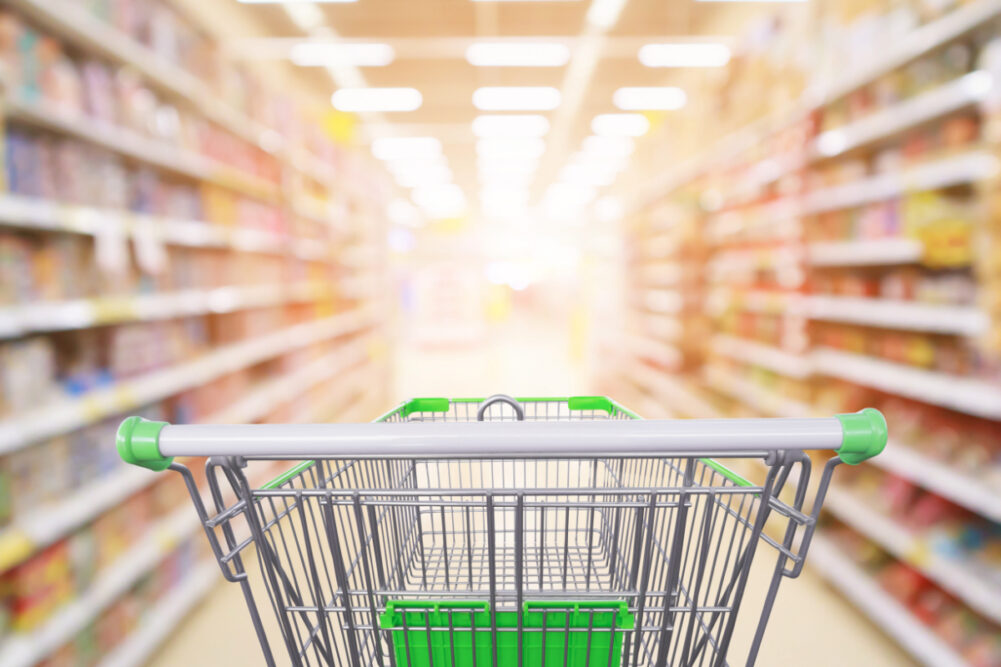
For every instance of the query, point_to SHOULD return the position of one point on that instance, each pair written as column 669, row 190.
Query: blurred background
column 265, row 211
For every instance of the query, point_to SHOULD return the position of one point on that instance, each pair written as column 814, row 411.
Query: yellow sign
column 342, row 127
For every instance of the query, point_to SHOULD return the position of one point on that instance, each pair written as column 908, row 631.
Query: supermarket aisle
column 810, row 622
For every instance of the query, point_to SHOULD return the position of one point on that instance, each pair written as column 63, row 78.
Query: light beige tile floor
column 811, row 625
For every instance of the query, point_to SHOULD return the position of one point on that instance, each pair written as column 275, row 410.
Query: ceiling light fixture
column 524, row 125
column 406, row 148
column 377, row 99
column 620, row 147
column 605, row 13
column 440, row 201
column 516, row 98
column 518, row 54
column 306, row 17
column 323, row 54
column 510, row 148
column 660, row 98
column 684, row 55
column 620, row 125
column 580, row 174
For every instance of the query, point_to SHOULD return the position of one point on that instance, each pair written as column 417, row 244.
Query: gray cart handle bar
column 855, row 437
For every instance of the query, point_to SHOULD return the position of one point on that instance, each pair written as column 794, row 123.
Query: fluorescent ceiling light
column 609, row 146
column 620, row 125
column 417, row 164
column 605, row 13
column 442, row 201
column 306, row 17
column 524, row 125
column 510, row 148
column 436, row 173
column 500, row 196
column 294, row 2
column 666, row 98
column 322, row 54
column 684, row 55
column 579, row 174
column 402, row 212
column 377, row 99
column 607, row 163
column 428, row 179
column 609, row 209
column 518, row 54
column 516, row 98
column 566, row 195
column 406, row 148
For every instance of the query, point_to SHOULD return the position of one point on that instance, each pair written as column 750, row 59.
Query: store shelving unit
column 763, row 216
column 324, row 363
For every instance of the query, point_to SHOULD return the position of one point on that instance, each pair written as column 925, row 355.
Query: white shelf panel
column 766, row 356
column 49, row 523
column 670, row 394
column 894, row 314
column 52, row 522
column 891, row 616
column 874, row 252
column 25, row 650
column 30, row 213
column 963, row 579
column 83, row 313
column 975, row 397
column 940, row 478
column 67, row 414
column 143, row 149
column 74, row 22
column 911, row 46
column 663, row 353
column 948, row 98
column 160, row 621
column 275, row 392
column 755, row 396
column 958, row 169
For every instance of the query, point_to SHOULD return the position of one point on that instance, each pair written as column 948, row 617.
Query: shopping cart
column 563, row 532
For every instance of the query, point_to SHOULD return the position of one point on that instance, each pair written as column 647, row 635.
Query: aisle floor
column 811, row 624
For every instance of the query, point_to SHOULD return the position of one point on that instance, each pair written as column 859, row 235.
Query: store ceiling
column 430, row 37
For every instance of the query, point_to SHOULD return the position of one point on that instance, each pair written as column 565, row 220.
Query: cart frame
column 564, row 531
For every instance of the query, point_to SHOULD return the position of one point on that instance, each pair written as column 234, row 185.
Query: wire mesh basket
column 562, row 531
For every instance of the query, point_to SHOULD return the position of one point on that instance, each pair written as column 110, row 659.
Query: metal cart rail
column 563, row 531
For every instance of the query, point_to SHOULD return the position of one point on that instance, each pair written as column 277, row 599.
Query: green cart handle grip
column 138, row 442
column 864, row 435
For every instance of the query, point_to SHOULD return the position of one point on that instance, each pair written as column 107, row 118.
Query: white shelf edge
column 867, row 252
column 898, row 314
column 39, row 529
column 158, row 623
column 905, row 49
column 41, row 214
column 45, row 316
column 971, row 396
column 27, row 649
column 144, row 149
column 910, row 46
column 956, row 95
column 891, row 616
column 968, row 167
column 941, row 478
column 678, row 397
column 766, row 356
column 67, row 414
column 953, row 575
column 756, row 397
column 78, row 25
